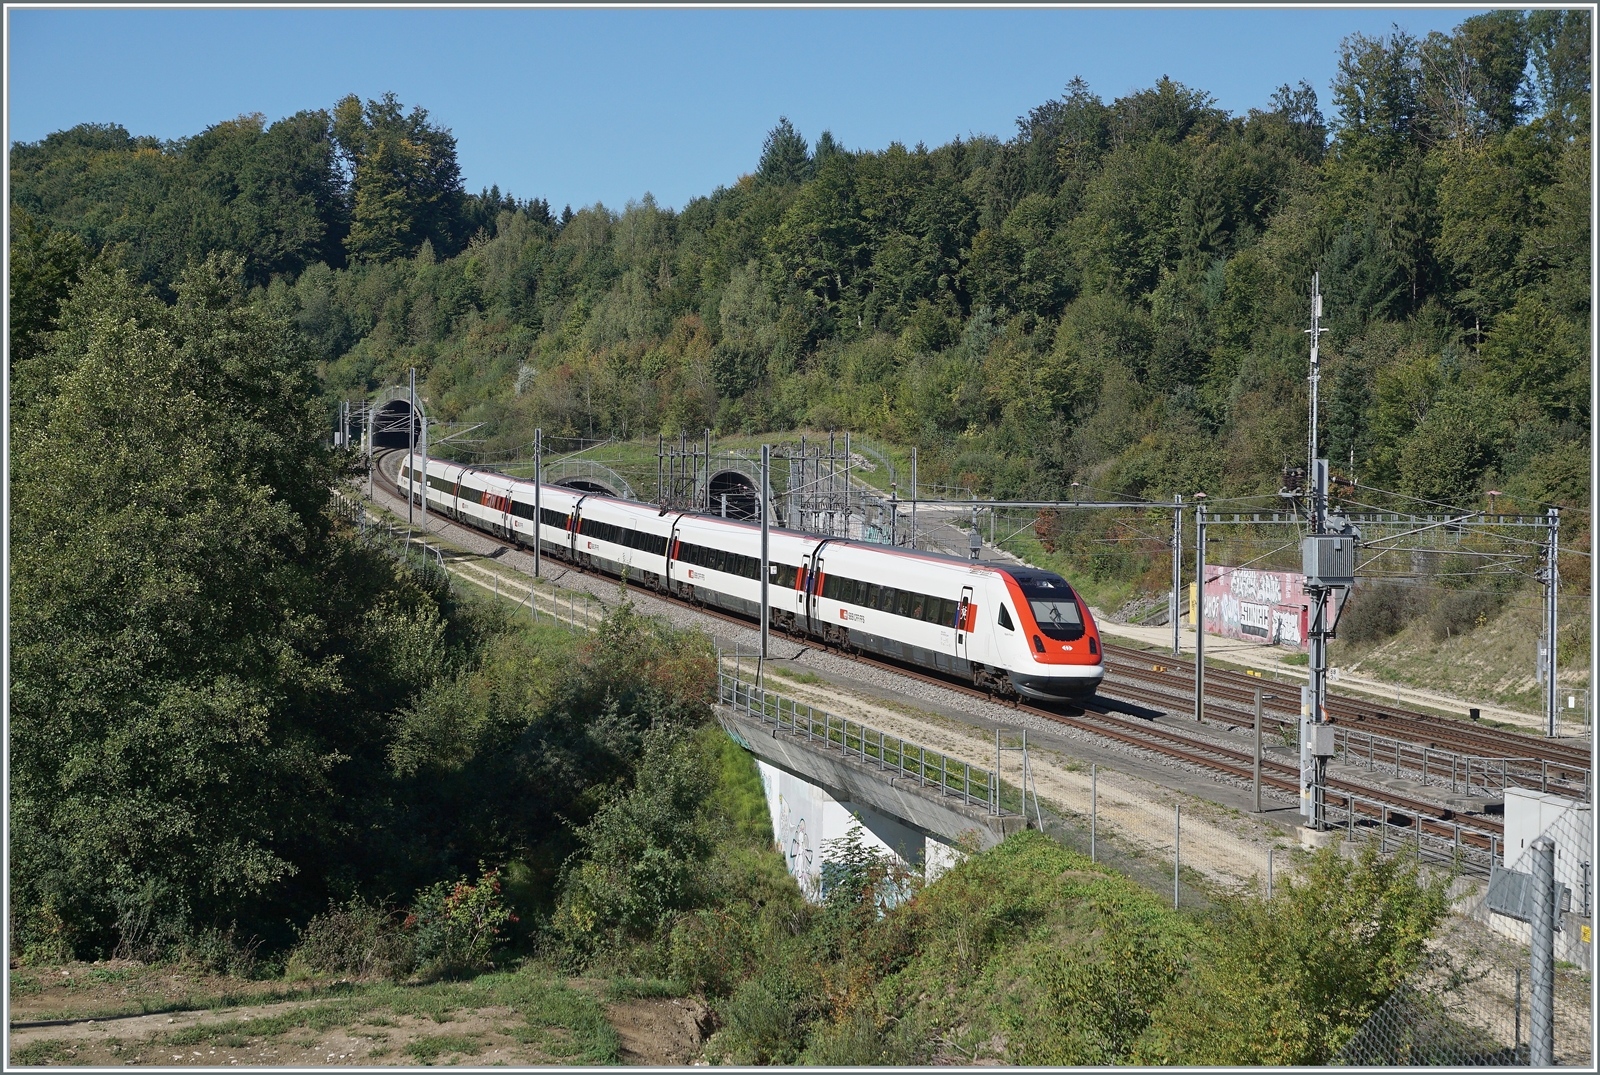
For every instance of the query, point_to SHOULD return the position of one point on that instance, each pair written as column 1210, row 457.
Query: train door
column 814, row 592
column 962, row 615
column 672, row 549
column 574, row 524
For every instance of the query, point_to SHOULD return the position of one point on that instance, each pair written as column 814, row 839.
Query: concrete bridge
column 822, row 774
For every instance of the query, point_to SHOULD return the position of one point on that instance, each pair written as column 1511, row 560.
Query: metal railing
column 1399, row 830
column 1465, row 774
column 950, row 776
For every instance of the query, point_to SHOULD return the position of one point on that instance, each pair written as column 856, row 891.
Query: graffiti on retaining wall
column 1269, row 607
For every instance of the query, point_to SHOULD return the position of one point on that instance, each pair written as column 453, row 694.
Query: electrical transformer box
column 1329, row 559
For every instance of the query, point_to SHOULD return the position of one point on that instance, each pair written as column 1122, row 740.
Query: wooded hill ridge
column 1116, row 295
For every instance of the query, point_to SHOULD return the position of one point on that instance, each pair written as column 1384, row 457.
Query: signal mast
column 1327, row 554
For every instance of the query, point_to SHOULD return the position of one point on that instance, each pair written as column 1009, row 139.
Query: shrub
column 359, row 939
column 220, row 951
column 765, row 1020
column 707, row 952
column 861, row 1038
column 1462, row 611
column 1294, row 977
column 645, row 854
column 457, row 925
column 1377, row 612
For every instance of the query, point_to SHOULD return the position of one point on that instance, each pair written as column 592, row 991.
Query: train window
column 547, row 516
column 466, row 492
column 1057, row 617
column 887, row 600
column 872, row 596
column 902, row 602
column 1005, row 618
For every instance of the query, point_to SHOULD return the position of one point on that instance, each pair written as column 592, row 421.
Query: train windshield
column 1054, row 606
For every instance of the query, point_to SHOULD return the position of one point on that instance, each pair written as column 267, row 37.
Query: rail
column 946, row 775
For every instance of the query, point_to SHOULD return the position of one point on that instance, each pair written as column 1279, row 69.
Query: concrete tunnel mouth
column 389, row 426
column 588, row 485
column 743, row 499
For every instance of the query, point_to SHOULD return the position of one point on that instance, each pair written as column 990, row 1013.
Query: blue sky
column 584, row 105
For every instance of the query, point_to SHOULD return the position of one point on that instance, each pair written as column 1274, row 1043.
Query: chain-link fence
column 1480, row 1002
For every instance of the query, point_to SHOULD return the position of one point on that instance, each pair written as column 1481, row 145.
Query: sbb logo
column 842, row 614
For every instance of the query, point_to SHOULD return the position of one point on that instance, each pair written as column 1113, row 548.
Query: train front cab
column 1055, row 651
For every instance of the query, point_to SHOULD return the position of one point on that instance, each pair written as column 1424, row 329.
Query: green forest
column 243, row 737
column 1115, row 295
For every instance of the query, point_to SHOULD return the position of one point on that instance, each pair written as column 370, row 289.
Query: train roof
column 1024, row 575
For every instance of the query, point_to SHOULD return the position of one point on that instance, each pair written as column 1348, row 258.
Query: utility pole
column 766, row 568
column 422, row 444
column 1199, row 609
column 708, row 471
column 1316, row 330
column 372, row 415
column 1328, row 563
column 411, row 455
column 538, row 479
column 1255, row 776
column 661, row 447
column 1552, row 579
column 913, row 498
column 1541, row 1010
column 846, row 529
column 1177, row 567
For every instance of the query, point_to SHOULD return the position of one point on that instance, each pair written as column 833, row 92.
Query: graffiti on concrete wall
column 1269, row 607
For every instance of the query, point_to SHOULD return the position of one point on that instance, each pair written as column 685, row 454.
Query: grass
column 157, row 1004
column 1494, row 662
column 428, row 1050
column 44, row 1051
column 797, row 675
column 739, row 794
column 642, row 989
column 560, row 1022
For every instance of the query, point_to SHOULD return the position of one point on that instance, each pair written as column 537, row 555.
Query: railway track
column 1237, row 689
column 1383, row 806
column 1424, row 728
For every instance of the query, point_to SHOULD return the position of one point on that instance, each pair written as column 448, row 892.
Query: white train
column 1012, row 630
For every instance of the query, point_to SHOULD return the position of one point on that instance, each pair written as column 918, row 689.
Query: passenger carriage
column 1012, row 630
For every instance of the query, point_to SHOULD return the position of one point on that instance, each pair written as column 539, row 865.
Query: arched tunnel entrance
column 390, row 428
column 586, row 485
column 743, row 499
